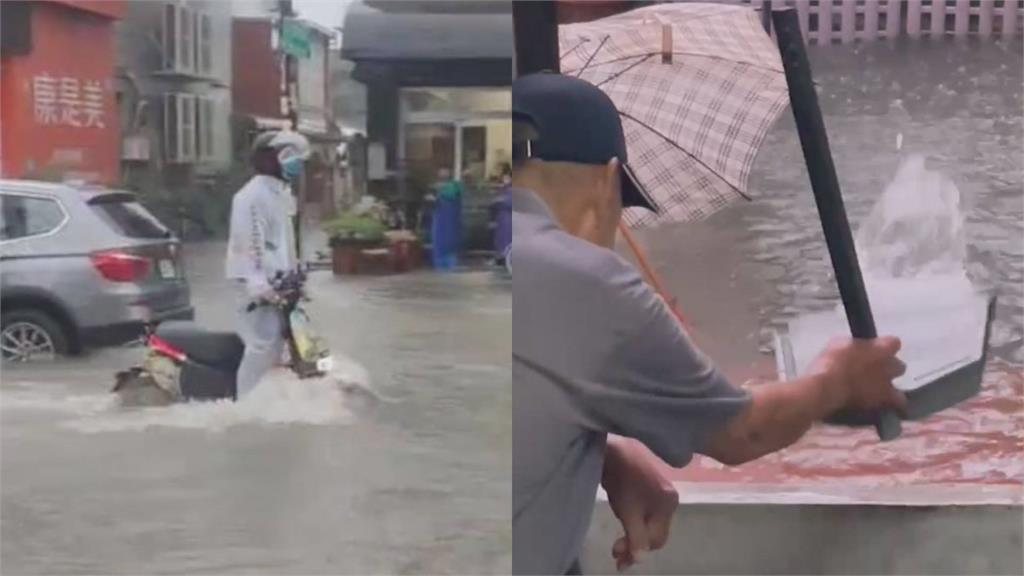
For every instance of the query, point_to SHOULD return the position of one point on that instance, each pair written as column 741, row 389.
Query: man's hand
column 859, row 373
column 641, row 498
column 269, row 298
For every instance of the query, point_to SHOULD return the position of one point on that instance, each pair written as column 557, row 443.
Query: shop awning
column 370, row 34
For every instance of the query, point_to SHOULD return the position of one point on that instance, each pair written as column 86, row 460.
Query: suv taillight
column 119, row 266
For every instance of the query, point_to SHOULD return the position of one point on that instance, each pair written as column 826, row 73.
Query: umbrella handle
column 649, row 274
column 827, row 195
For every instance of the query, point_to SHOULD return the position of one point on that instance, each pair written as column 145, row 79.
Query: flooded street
column 751, row 268
column 417, row 483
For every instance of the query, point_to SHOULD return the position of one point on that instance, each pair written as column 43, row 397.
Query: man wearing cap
column 596, row 352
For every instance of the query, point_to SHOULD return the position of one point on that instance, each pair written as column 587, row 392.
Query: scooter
column 185, row 362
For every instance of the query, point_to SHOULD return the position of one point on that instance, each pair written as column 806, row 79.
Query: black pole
column 814, row 140
column 535, row 25
column 285, row 11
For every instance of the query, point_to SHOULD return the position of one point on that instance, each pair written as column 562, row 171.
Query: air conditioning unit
column 135, row 148
column 180, row 128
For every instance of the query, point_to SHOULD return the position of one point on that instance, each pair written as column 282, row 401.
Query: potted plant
column 348, row 235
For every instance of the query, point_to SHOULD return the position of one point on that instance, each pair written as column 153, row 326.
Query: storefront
column 464, row 130
column 59, row 118
column 438, row 97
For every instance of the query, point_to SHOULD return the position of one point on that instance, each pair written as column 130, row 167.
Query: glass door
column 472, row 160
column 469, row 132
column 429, row 147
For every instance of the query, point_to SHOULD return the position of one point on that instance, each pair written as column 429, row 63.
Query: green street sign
column 295, row 39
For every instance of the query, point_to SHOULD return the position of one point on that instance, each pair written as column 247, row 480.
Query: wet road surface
column 754, row 266
column 295, row 482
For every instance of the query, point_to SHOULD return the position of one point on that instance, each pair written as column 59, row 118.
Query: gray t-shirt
column 594, row 351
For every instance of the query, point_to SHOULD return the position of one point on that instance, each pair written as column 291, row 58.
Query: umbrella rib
column 685, row 151
column 645, row 57
column 593, row 55
column 571, row 50
column 624, row 70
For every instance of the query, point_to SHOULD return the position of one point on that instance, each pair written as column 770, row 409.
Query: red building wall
column 256, row 74
column 572, row 11
column 57, row 105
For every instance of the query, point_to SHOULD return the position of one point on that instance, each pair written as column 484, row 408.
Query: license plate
column 167, row 270
column 325, row 364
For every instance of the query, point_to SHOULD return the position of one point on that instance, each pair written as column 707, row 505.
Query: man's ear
column 613, row 176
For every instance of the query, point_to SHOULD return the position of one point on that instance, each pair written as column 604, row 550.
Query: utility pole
column 535, row 27
column 289, row 94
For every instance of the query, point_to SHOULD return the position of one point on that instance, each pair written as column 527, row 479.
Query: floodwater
column 959, row 104
column 297, row 480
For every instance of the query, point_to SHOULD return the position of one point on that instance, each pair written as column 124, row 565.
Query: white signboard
column 67, row 101
column 376, row 161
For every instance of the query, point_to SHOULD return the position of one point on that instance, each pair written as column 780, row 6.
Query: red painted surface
column 571, row 11
column 256, row 75
column 57, row 106
column 980, row 442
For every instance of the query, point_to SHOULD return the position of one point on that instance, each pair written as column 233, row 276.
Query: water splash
column 916, row 229
column 281, row 399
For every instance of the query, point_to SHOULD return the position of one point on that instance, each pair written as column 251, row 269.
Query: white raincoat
column 262, row 241
column 261, row 244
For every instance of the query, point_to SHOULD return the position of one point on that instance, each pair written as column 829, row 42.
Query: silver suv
column 82, row 266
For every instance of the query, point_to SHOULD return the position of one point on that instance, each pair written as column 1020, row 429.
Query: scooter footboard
column 199, row 382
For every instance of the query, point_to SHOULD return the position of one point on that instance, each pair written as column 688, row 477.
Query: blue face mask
column 291, row 168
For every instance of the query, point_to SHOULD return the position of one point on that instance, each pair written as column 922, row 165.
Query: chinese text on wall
column 67, row 101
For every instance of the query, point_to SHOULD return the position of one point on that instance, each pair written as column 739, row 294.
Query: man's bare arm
column 778, row 415
column 848, row 374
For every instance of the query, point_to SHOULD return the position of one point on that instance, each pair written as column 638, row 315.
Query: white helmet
column 288, row 144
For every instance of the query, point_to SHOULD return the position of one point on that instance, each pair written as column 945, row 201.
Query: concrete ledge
column 825, row 538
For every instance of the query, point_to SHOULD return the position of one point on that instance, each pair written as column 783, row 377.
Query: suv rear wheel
column 30, row 335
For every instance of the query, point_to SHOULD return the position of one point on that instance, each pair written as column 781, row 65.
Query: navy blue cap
column 564, row 119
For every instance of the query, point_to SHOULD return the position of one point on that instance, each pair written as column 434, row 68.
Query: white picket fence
column 847, row 21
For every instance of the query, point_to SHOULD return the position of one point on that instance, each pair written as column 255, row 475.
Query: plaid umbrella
column 697, row 87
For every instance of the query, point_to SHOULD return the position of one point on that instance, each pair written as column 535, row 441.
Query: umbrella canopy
column 697, row 87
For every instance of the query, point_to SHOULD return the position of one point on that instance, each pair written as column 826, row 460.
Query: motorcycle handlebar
column 284, row 298
column 288, row 286
column 285, row 295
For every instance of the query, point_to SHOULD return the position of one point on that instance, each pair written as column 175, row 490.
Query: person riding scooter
column 261, row 246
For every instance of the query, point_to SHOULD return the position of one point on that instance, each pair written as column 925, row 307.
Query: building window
column 204, row 44
column 170, row 35
column 205, row 117
column 187, row 40
column 180, row 128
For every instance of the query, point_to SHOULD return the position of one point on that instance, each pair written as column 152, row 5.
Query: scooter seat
column 218, row 349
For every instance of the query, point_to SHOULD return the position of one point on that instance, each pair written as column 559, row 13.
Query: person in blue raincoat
column 446, row 223
column 501, row 217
